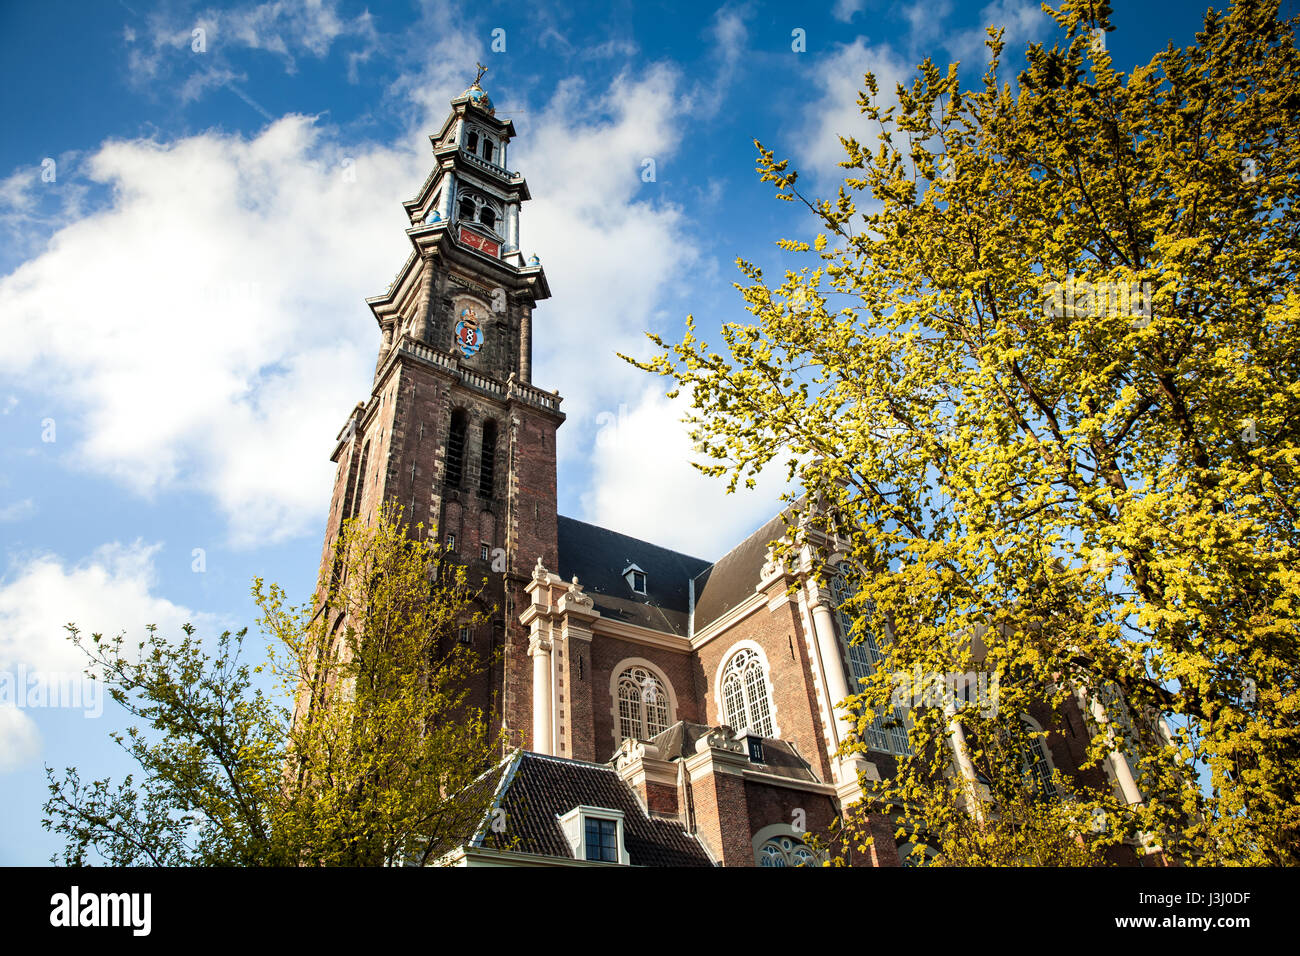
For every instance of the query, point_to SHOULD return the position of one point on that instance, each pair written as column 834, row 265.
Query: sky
column 196, row 198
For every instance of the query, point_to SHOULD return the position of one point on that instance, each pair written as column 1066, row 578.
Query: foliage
column 376, row 763
column 1034, row 471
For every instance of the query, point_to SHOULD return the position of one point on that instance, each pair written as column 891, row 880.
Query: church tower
column 454, row 430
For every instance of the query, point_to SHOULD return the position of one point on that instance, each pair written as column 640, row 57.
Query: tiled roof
column 539, row 789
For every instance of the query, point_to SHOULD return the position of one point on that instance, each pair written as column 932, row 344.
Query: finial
column 481, row 70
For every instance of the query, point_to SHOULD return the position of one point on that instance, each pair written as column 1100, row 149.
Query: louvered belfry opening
column 456, row 447
column 488, row 467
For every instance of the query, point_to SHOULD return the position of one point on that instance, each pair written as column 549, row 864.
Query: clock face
column 469, row 334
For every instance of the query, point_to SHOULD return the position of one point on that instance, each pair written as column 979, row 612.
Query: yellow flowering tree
column 1040, row 379
column 379, row 762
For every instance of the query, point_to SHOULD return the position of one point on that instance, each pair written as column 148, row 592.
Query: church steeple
column 453, row 429
column 464, row 232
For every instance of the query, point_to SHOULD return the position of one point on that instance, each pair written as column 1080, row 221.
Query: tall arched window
column 456, row 447
column 745, row 699
column 360, row 487
column 488, row 460
column 888, row 732
column 1035, row 763
column 642, row 704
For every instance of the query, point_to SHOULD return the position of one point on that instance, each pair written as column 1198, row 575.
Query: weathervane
column 481, row 70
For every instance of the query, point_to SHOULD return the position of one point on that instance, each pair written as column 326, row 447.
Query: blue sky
column 189, row 229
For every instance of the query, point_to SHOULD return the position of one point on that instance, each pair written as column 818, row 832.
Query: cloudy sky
column 195, row 199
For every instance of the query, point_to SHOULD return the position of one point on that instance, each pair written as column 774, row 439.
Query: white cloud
column 17, row 510
column 926, row 22
column 20, row 741
column 112, row 592
column 835, row 112
column 614, row 248
column 109, row 593
column 1023, row 21
column 643, row 483
column 730, row 33
column 227, row 338
column 846, row 10
column 285, row 29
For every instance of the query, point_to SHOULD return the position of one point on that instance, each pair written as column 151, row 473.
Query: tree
column 379, row 761
column 1040, row 383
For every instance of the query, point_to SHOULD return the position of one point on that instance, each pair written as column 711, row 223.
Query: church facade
column 683, row 707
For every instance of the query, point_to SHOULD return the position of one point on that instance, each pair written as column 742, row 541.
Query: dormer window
column 601, row 840
column 636, row 578
column 595, row 834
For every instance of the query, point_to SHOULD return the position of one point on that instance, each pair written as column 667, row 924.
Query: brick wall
column 780, row 635
column 722, row 817
column 768, row 804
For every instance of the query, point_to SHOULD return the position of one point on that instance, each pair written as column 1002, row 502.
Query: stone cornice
column 637, row 634
column 790, row 783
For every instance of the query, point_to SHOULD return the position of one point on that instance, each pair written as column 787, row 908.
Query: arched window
column 745, row 700
column 888, row 732
column 456, row 447
column 471, row 143
column 785, row 851
column 642, row 704
column 916, row 854
column 488, row 460
column 473, row 207
column 360, row 488
column 1035, row 762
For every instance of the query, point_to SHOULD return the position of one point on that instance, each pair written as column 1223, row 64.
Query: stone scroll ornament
column 469, row 335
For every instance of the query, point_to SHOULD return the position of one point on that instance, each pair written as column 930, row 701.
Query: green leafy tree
column 379, row 761
column 1040, row 382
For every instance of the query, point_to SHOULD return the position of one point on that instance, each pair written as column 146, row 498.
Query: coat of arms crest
column 469, row 335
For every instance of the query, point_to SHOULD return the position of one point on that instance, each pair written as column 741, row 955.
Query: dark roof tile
column 543, row 788
column 731, row 579
column 599, row 556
